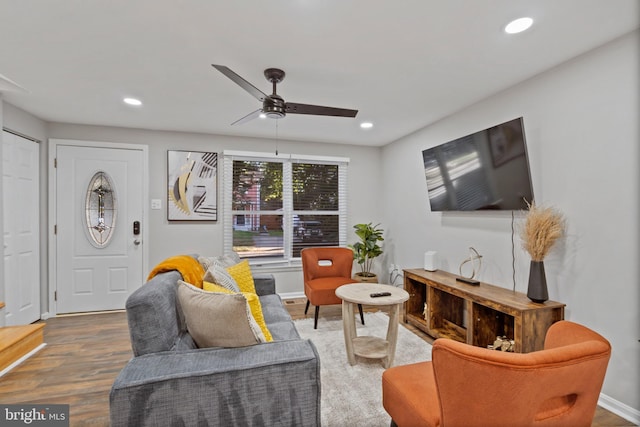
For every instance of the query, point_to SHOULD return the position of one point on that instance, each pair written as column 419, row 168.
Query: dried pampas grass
column 543, row 226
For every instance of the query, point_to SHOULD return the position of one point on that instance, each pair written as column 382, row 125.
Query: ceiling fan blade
column 318, row 110
column 257, row 93
column 252, row 115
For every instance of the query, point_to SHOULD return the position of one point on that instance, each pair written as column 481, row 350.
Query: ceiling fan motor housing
column 274, row 107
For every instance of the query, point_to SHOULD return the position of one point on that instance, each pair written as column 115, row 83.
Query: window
column 274, row 206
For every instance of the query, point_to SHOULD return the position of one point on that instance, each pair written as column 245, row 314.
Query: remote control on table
column 469, row 281
column 380, row 294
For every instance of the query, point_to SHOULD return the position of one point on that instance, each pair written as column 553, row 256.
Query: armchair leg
column 307, row 307
column 361, row 315
column 393, row 424
column 315, row 318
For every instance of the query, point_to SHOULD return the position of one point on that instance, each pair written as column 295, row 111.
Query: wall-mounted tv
column 486, row 170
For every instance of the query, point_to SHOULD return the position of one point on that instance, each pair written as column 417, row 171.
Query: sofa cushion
column 273, row 309
column 252, row 300
column 216, row 319
column 241, row 273
column 278, row 319
column 283, row 331
column 217, row 273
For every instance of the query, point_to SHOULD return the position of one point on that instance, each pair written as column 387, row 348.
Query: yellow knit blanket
column 191, row 270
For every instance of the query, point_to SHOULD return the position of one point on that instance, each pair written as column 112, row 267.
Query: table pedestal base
column 368, row 346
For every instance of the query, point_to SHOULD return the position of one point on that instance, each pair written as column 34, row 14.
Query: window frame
column 287, row 260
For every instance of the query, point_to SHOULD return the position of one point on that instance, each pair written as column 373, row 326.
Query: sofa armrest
column 265, row 284
column 274, row 384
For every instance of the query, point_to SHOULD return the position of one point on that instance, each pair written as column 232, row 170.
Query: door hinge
column 55, row 162
column 55, row 295
column 55, row 229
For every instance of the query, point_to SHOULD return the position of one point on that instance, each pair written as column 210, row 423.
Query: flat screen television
column 486, row 170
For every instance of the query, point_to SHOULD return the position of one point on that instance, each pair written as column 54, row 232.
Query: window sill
column 276, row 267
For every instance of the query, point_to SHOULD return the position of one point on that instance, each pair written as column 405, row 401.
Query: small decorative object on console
column 473, row 255
column 542, row 228
column 468, row 281
column 502, row 343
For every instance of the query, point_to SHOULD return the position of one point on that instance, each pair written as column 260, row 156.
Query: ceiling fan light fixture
column 518, row 25
column 262, row 116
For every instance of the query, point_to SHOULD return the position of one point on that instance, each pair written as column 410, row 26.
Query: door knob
column 136, row 242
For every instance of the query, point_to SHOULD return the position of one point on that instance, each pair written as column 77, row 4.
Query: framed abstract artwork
column 192, row 185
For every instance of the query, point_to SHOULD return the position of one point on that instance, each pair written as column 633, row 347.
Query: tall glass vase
column 537, row 290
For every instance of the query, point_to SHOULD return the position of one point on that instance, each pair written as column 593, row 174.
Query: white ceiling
column 402, row 64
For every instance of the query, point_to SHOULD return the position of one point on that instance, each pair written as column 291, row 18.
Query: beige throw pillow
column 216, row 319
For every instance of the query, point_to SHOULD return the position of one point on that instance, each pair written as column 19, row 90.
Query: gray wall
column 581, row 123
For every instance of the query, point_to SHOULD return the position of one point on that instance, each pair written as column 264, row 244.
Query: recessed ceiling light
column 366, row 125
column 518, row 25
column 133, row 101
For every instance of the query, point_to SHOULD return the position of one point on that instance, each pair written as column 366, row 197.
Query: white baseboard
column 22, row 359
column 291, row 295
column 619, row 408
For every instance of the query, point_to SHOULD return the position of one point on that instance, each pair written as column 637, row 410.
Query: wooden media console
column 476, row 314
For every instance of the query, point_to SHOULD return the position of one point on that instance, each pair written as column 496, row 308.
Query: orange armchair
column 471, row 386
column 324, row 270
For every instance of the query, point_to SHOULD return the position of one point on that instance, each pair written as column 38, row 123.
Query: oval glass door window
column 100, row 209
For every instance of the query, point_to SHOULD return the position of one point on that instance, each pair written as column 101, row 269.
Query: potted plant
column 366, row 250
column 542, row 228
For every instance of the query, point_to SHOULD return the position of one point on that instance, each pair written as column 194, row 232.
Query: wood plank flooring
column 84, row 354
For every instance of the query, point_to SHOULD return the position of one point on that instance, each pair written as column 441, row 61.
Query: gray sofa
column 170, row 382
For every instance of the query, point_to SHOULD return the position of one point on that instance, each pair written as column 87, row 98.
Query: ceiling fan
column 273, row 105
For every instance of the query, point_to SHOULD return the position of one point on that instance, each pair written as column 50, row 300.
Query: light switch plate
column 156, row 204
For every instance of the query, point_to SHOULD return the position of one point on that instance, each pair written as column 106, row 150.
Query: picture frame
column 192, row 185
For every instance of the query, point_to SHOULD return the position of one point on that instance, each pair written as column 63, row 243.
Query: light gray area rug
column 352, row 395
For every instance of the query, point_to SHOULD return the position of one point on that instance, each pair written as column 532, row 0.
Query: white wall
column 171, row 238
column 581, row 124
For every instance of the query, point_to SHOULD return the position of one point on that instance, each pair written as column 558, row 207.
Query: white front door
column 99, row 255
column 20, row 197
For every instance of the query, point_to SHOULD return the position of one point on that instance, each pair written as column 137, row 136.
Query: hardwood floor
column 77, row 367
column 85, row 353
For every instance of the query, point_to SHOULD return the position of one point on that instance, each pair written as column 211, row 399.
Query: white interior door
column 20, row 196
column 90, row 275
